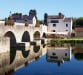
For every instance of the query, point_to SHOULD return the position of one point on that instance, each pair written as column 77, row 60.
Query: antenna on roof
column 10, row 13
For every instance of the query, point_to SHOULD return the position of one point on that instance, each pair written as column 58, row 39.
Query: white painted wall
column 34, row 20
column 18, row 29
column 60, row 27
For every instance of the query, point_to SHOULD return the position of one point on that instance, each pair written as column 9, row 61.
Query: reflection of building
column 58, row 54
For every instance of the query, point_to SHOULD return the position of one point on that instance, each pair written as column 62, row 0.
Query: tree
column 79, row 22
column 74, row 23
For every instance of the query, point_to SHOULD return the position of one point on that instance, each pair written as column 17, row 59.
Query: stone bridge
column 13, row 37
column 21, row 33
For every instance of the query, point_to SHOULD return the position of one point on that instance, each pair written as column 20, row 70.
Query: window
column 53, row 53
column 66, row 30
column 65, row 54
column 66, row 25
column 54, row 30
column 54, row 25
column 54, row 21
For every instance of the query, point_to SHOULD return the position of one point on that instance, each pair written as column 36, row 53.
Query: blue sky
column 70, row 8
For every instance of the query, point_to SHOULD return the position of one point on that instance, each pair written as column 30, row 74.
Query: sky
column 70, row 8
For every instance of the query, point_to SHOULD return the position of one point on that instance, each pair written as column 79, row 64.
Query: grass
column 71, row 41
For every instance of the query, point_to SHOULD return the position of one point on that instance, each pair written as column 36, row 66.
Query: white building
column 58, row 24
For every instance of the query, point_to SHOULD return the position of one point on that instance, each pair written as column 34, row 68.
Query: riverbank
column 71, row 41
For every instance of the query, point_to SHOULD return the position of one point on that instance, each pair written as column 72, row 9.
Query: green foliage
column 77, row 22
column 19, row 14
column 9, row 22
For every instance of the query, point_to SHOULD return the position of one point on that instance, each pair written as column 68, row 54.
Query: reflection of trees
column 71, row 42
column 78, row 56
column 78, row 52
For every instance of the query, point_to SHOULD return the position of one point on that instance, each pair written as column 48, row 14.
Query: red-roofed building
column 79, row 31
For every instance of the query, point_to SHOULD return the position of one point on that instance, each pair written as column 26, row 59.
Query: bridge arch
column 26, row 37
column 12, row 37
column 36, row 35
column 44, row 35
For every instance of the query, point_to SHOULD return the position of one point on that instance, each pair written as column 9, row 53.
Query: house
column 29, row 19
column 58, row 54
column 79, row 31
column 59, row 25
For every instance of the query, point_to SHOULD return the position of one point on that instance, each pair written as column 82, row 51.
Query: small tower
column 45, row 18
column 32, row 13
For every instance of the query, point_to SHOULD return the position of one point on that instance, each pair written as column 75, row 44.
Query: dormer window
column 54, row 21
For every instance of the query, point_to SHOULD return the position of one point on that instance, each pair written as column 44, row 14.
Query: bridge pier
column 4, row 44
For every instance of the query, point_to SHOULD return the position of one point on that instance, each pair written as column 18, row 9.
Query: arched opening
column 26, row 37
column 36, row 35
column 25, row 53
column 12, row 38
column 12, row 45
column 44, row 35
column 36, row 49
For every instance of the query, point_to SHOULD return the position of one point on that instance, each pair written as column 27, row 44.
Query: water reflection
column 68, row 59
column 58, row 54
column 18, row 57
column 78, row 52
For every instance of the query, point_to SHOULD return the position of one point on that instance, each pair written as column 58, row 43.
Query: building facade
column 58, row 24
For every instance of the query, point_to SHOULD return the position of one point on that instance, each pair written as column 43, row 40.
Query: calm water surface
column 57, row 61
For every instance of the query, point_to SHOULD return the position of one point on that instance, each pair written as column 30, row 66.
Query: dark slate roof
column 53, row 17
column 27, row 17
column 67, row 19
column 59, row 16
column 22, row 18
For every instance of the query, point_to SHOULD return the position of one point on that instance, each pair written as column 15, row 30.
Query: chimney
column 61, row 15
